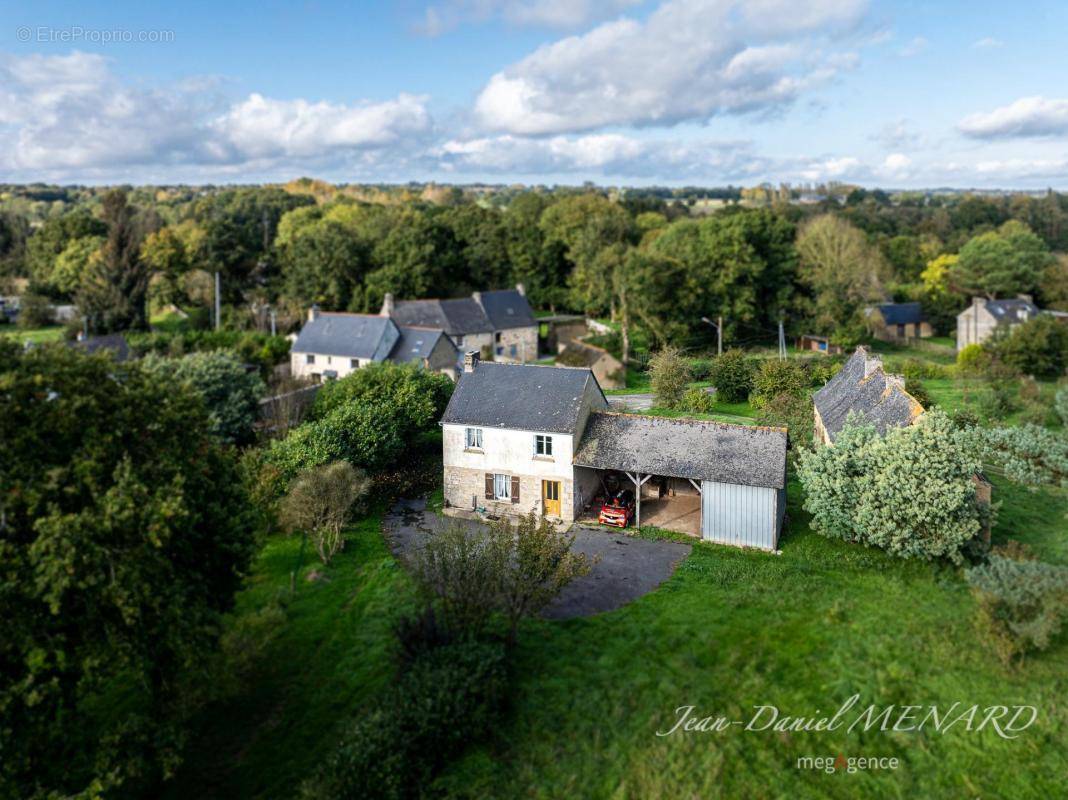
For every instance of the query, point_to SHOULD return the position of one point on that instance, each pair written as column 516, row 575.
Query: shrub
column 1022, row 604
column 449, row 697
column 1060, row 403
column 669, row 375
column 997, row 400
column 914, row 387
column 796, row 414
column 918, row 369
column 35, row 311
column 1035, row 414
column 973, row 359
column 910, row 492
column 1036, row 347
column 775, row 378
column 1029, row 454
column 319, row 503
column 231, row 393
column 422, row 394
column 700, row 369
column 698, row 401
column 732, row 375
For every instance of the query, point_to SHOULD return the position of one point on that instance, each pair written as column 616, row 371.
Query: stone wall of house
column 974, row 326
column 819, row 433
column 473, row 341
column 465, row 488
column 300, row 368
column 524, row 340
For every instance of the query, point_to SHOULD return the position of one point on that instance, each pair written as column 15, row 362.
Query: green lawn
column 333, row 652
column 49, row 333
column 801, row 631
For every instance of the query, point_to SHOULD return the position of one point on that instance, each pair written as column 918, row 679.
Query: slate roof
column 483, row 312
column 520, row 397
column 506, row 308
column 685, row 448
column 1009, row 310
column 864, row 387
column 901, row 313
column 113, row 342
column 346, row 335
column 457, row 317
column 415, row 344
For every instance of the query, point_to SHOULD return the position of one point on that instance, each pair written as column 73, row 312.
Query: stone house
column 897, row 322
column 332, row 345
column 499, row 324
column 983, row 317
column 862, row 386
column 519, row 438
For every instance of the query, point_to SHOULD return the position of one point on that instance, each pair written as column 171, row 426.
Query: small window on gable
column 474, row 438
column 354, row 363
column 543, row 445
column 498, row 336
column 310, row 359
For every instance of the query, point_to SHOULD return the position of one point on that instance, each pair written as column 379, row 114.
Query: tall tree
column 1001, row 263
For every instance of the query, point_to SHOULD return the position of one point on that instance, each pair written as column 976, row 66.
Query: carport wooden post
column 639, row 482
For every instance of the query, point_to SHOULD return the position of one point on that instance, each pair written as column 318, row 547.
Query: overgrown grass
column 49, row 333
column 802, row 631
column 332, row 654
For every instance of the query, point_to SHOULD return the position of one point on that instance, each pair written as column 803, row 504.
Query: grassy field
column 332, row 652
column 50, row 333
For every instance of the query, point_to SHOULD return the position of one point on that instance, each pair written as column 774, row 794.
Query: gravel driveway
column 627, row 568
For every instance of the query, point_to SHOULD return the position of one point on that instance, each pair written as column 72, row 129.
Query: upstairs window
column 474, row 438
column 543, row 445
column 310, row 359
column 354, row 363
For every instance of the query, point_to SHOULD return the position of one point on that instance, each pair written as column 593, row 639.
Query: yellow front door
column 550, row 498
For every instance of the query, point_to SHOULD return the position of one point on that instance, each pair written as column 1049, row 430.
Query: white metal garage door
column 744, row 516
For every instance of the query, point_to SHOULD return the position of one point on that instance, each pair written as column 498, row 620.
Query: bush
column 319, row 503
column 35, row 311
column 261, row 349
column 1060, row 403
column 422, row 394
column 775, row 378
column 997, row 400
column 669, row 375
column 1035, row 414
column 910, row 492
column 700, row 369
column 449, row 697
column 914, row 387
column 1022, row 604
column 918, row 369
column 732, row 375
column 973, row 359
column 796, row 414
column 1037, row 347
column 1029, row 454
column 698, row 401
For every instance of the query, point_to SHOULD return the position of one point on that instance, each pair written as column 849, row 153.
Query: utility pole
column 274, row 322
column 782, row 342
column 718, row 325
column 218, row 304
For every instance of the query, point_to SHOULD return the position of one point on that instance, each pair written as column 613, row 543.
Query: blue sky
column 896, row 94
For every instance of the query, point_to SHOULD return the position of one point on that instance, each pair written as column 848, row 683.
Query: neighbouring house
column 499, row 324
column 864, row 387
column 983, row 317
column 520, row 438
column 605, row 367
column 818, row 344
column 557, row 331
column 114, row 343
column 897, row 322
column 333, row 345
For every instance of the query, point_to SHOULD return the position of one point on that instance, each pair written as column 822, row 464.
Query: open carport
column 722, row 482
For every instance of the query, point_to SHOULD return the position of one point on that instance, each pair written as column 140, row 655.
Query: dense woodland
column 652, row 260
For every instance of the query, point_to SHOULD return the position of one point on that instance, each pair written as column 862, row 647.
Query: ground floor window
column 502, row 487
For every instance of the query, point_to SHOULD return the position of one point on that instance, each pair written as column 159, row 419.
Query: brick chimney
column 470, row 360
column 313, row 312
column 388, row 305
column 1026, row 298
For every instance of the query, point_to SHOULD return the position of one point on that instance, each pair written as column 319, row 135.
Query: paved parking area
column 626, row 567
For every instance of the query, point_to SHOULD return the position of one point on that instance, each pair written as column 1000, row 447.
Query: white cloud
column 987, row 43
column 690, row 60
column 72, row 116
column 898, row 135
column 1027, row 117
column 562, row 14
column 914, row 47
column 896, row 163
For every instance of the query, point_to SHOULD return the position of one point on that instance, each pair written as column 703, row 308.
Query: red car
column 618, row 509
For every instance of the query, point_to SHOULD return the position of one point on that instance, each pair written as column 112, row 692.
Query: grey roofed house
column 506, row 308
column 520, row 396
column 457, row 317
column 415, row 344
column 367, row 336
column 685, row 448
column 115, row 343
column 900, row 313
column 1012, row 310
column 862, row 386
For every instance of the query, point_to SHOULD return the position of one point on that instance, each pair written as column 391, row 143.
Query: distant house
column 605, row 367
column 499, row 324
column 862, row 386
column 897, row 322
column 818, row 344
column 518, row 438
column 333, row 345
column 114, row 343
column 983, row 317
